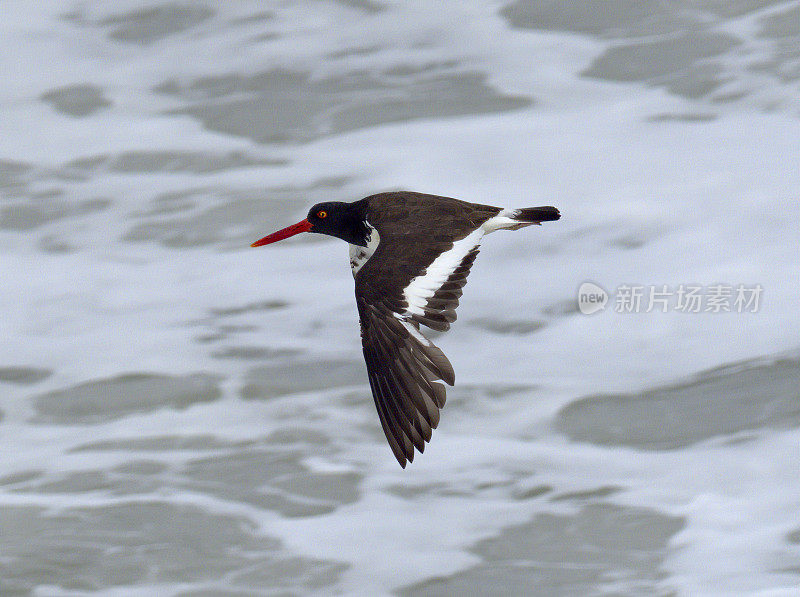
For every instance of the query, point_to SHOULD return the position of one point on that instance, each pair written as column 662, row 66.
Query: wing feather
column 404, row 367
column 398, row 290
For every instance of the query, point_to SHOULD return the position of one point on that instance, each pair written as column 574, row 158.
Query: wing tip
column 404, row 369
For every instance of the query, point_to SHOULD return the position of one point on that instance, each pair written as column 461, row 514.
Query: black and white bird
column 410, row 254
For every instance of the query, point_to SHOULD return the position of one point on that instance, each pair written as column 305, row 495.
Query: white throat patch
column 360, row 255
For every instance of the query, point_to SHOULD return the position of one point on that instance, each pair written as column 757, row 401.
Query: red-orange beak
column 304, row 226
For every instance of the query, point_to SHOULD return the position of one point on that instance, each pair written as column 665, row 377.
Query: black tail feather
column 537, row 214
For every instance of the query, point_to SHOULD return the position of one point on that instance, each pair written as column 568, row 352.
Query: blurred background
column 183, row 415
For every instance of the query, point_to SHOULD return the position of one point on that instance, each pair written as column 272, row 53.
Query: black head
column 339, row 219
column 334, row 218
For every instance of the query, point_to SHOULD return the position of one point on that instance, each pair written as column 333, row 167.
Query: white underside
column 360, row 255
column 501, row 221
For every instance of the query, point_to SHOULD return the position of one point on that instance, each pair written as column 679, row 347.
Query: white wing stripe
column 414, row 331
column 424, row 286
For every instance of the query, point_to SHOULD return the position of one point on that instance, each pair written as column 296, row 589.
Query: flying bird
column 410, row 254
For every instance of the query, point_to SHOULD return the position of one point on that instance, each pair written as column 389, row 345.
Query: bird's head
column 334, row 218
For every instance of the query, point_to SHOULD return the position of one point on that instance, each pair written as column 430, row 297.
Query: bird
column 410, row 254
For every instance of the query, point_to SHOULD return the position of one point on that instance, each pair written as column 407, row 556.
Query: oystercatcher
column 410, row 254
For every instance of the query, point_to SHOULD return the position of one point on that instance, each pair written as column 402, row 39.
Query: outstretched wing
column 404, row 367
column 404, row 370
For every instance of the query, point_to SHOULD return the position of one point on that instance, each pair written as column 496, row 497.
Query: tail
column 535, row 215
column 514, row 219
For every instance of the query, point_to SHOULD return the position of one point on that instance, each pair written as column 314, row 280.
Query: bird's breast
column 360, row 255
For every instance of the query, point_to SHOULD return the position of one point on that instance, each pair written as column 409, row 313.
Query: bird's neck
column 355, row 229
column 359, row 233
column 348, row 223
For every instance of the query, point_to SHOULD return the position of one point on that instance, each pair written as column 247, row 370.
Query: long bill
column 304, row 226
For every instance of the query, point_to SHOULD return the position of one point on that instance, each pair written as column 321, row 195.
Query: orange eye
column 322, row 214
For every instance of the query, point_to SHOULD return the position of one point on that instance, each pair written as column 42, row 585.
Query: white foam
column 708, row 202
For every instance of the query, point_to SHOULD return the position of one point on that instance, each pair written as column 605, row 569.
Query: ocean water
column 182, row 415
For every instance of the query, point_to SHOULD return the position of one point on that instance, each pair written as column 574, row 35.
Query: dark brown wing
column 405, row 369
column 414, row 230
